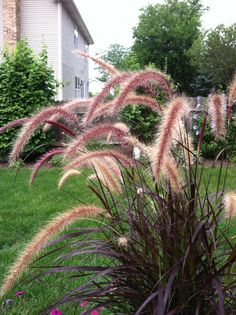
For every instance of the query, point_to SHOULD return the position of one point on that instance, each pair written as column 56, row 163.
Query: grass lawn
column 24, row 210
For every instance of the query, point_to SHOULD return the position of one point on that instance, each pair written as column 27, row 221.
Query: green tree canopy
column 214, row 53
column 164, row 35
column 120, row 57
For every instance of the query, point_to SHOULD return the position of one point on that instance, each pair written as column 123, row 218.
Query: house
column 95, row 86
column 59, row 25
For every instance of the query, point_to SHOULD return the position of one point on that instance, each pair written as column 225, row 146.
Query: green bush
column 141, row 120
column 27, row 84
column 212, row 147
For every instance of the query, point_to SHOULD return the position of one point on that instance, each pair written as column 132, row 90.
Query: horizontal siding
column 1, row 25
column 73, row 66
column 39, row 25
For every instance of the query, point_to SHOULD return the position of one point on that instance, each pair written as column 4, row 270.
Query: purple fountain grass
column 42, row 160
column 117, row 80
column 136, row 143
column 230, row 204
column 113, row 166
column 170, row 171
column 104, row 64
column 22, row 121
column 105, row 175
column 216, row 111
column 232, row 92
column 181, row 136
column 138, row 79
column 67, row 175
column 177, row 109
column 94, row 133
column 85, row 159
column 107, row 171
column 107, row 108
column 135, row 100
column 144, row 100
column 70, row 107
column 56, row 225
column 15, row 123
column 34, row 122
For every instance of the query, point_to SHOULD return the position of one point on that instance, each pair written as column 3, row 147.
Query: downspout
column 59, row 44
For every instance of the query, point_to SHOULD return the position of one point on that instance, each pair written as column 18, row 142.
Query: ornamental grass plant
column 163, row 236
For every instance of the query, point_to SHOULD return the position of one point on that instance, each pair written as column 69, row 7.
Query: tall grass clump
column 163, row 241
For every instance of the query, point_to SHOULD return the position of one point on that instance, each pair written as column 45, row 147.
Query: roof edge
column 74, row 11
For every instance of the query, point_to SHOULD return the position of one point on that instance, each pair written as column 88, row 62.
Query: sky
column 112, row 21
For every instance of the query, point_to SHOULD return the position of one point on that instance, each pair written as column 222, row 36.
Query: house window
column 76, row 37
column 77, row 87
column 82, row 88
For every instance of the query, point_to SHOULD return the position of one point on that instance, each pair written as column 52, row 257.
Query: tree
column 215, row 55
column 164, row 35
column 26, row 84
column 120, row 57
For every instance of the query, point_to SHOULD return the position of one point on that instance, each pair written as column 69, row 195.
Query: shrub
column 162, row 233
column 212, row 146
column 26, row 85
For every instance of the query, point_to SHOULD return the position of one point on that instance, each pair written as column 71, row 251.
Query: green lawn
column 24, row 210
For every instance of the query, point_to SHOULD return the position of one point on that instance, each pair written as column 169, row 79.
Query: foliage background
column 27, row 84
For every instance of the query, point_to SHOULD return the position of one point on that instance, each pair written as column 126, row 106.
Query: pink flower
column 56, row 312
column 20, row 293
column 84, row 303
column 95, row 312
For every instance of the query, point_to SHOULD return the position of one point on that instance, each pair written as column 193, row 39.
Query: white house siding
column 39, row 25
column 72, row 65
column 1, row 27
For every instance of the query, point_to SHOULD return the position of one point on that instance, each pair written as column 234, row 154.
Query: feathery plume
column 42, row 160
column 66, row 176
column 104, row 64
column 177, row 109
column 136, row 143
column 216, row 110
column 180, row 135
column 123, row 127
column 119, row 79
column 139, row 79
column 112, row 165
column 94, row 133
column 106, row 176
column 123, row 242
column 15, row 123
column 230, row 204
column 135, row 100
column 55, row 226
column 70, row 107
column 85, row 159
column 34, row 122
column 170, row 171
column 232, row 92
column 107, row 108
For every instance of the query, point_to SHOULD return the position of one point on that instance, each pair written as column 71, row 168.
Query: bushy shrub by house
column 27, row 84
